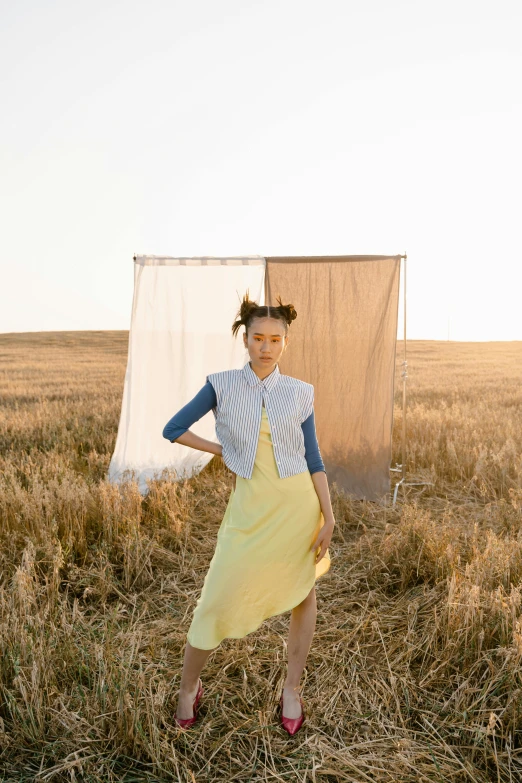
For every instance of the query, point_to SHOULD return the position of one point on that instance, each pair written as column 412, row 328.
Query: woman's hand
column 322, row 541
column 220, row 452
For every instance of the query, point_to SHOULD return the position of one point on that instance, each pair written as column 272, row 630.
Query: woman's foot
column 185, row 708
column 292, row 704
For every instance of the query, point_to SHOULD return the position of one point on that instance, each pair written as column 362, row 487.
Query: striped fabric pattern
column 240, row 395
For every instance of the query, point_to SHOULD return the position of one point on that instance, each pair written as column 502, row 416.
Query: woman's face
column 266, row 342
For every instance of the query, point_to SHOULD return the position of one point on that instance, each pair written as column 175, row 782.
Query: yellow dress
column 262, row 565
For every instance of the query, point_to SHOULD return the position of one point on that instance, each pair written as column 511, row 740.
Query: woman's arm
column 318, row 473
column 322, row 541
column 177, row 428
column 316, row 467
column 323, row 493
column 312, row 454
column 195, row 442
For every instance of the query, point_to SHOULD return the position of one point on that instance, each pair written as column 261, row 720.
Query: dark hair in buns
column 250, row 310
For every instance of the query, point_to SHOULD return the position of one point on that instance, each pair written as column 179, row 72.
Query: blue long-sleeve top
column 206, row 399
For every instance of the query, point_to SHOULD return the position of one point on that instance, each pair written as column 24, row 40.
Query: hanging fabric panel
column 181, row 330
column 343, row 341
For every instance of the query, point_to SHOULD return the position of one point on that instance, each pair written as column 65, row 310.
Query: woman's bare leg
column 302, row 627
column 193, row 663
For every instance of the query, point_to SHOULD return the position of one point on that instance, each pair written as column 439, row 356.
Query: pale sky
column 274, row 127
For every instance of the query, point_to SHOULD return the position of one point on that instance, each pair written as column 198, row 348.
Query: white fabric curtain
column 182, row 314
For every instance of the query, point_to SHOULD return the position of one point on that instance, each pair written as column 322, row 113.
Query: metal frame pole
column 404, row 378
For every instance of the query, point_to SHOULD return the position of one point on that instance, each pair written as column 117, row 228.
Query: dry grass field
column 415, row 672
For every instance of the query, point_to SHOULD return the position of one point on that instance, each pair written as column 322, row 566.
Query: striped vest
column 240, row 395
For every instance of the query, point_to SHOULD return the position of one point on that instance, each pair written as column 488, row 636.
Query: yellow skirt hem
column 256, row 627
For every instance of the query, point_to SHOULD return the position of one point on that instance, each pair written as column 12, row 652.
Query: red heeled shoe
column 186, row 722
column 292, row 725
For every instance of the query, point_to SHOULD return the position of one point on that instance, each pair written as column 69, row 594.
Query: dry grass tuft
column 415, row 668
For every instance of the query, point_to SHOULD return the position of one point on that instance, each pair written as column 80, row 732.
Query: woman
column 273, row 540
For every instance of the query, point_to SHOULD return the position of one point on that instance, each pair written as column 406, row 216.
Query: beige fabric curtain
column 343, row 341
